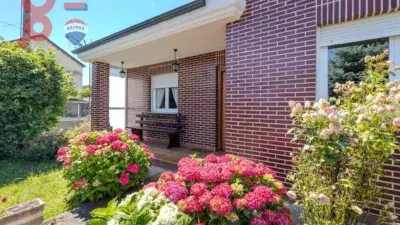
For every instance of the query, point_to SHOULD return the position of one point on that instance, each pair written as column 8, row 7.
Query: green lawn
column 24, row 181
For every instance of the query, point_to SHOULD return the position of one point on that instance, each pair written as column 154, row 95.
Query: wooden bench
column 164, row 123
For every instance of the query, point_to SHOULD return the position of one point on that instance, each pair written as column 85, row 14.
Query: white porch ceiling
column 196, row 32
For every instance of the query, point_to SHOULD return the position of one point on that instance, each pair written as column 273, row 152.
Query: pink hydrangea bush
column 226, row 189
column 100, row 164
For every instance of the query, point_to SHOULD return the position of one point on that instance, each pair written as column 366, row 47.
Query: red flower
column 220, row 205
column 112, row 137
column 102, row 141
column 206, row 198
column 198, row 189
column 193, row 205
column 119, row 145
column 91, row 149
column 240, row 203
column 224, row 159
column 79, row 184
column 259, row 221
column 258, row 198
column 134, row 137
column 211, row 158
column 281, row 219
column 124, row 178
column 82, row 138
column 222, row 190
column 133, row 168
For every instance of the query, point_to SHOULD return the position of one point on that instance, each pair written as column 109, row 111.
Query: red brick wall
column 197, row 97
column 99, row 110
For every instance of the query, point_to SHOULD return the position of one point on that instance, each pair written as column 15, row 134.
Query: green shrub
column 34, row 93
column 78, row 130
column 101, row 164
column 43, row 147
column 335, row 173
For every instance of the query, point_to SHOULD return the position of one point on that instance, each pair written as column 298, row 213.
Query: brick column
column 99, row 109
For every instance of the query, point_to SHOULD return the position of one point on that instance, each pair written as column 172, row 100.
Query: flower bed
column 225, row 190
column 103, row 164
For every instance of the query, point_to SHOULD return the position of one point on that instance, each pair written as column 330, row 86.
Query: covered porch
column 151, row 85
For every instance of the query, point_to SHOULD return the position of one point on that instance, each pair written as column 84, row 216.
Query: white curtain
column 175, row 94
column 160, row 96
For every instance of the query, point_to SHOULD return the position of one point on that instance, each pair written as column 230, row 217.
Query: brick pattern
column 100, row 114
column 338, row 11
column 197, row 97
column 391, row 183
column 270, row 60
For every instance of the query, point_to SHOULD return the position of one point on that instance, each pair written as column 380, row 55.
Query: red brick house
column 240, row 63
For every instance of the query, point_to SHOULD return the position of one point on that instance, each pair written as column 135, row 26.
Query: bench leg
column 138, row 133
column 173, row 141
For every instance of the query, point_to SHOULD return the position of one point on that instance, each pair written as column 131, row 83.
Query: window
column 164, row 95
column 366, row 35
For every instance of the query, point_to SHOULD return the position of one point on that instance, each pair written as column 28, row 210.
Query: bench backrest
column 170, row 121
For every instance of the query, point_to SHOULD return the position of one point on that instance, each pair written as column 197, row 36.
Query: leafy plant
column 101, row 164
column 344, row 147
column 44, row 147
column 34, row 93
column 147, row 206
column 225, row 190
column 78, row 130
column 85, row 92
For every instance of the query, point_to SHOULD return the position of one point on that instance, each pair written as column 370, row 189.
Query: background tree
column 84, row 92
column 34, row 93
column 347, row 63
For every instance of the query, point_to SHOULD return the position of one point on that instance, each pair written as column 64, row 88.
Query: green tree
column 347, row 63
column 34, row 93
column 84, row 92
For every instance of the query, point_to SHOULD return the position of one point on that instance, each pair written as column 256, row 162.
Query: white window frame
column 166, row 81
column 383, row 26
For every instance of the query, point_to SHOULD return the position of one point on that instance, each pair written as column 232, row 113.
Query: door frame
column 221, row 99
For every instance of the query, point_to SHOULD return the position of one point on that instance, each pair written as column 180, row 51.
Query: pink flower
column 222, row 190
column 144, row 146
column 220, row 205
column 120, row 145
column 79, row 184
column 198, row 189
column 268, row 215
column 102, row 141
column 91, row 149
column 240, row 203
column 175, row 191
column 291, row 194
column 224, row 159
column 118, row 130
column 396, row 122
column 124, row 178
column 259, row 221
column 149, row 185
column 323, row 199
column 82, row 138
column 62, row 151
column 134, row 137
column 190, row 172
column 133, row 168
column 206, row 198
column 258, row 198
column 167, row 176
column 112, row 137
column 193, row 205
column 211, row 158
column 200, row 224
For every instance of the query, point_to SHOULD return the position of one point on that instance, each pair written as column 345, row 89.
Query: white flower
column 96, row 183
column 291, row 194
column 112, row 222
column 323, row 199
column 292, row 104
column 168, row 215
column 396, row 122
column 325, row 133
column 390, row 62
column 307, row 104
column 357, row 209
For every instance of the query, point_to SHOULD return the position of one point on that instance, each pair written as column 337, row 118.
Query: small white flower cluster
column 162, row 211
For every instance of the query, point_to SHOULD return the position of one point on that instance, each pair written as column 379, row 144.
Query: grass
column 25, row 181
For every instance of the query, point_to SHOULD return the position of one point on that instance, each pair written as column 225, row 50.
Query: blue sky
column 102, row 18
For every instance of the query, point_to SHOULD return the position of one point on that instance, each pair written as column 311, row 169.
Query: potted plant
column 28, row 213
